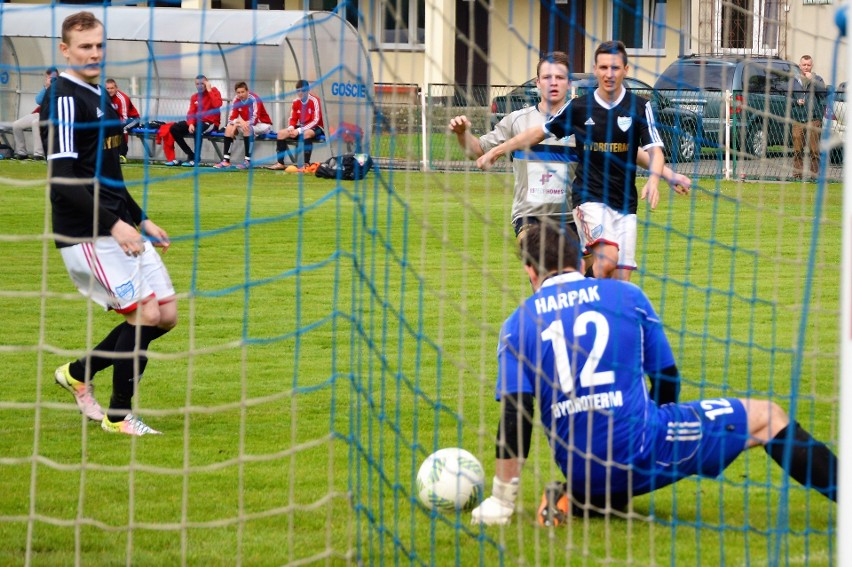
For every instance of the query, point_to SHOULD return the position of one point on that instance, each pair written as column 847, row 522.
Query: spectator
column 30, row 122
column 807, row 113
column 126, row 112
column 249, row 119
column 204, row 108
column 305, row 125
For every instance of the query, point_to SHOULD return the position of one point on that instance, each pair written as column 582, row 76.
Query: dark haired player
column 581, row 349
column 609, row 126
column 97, row 224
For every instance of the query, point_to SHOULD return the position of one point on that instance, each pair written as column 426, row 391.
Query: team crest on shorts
column 624, row 123
column 597, row 231
column 125, row 290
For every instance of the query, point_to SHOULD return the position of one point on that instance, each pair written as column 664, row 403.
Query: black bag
column 5, row 151
column 348, row 167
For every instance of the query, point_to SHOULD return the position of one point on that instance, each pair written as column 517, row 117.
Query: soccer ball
column 450, row 479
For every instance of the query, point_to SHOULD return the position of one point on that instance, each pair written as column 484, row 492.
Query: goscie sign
column 352, row 90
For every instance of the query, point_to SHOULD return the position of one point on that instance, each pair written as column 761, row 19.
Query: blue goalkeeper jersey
column 583, row 347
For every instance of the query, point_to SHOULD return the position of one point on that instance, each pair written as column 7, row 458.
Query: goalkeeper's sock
column 812, row 464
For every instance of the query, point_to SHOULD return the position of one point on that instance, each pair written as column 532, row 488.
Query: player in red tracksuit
column 249, row 119
column 305, row 125
column 126, row 112
column 203, row 107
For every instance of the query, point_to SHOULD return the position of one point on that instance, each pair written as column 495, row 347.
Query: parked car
column 762, row 88
column 835, row 121
column 679, row 127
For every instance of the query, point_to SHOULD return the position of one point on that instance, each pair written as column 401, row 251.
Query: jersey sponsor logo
column 624, row 123
column 112, row 142
column 125, row 290
column 99, row 112
column 589, row 122
column 611, row 147
column 566, row 300
column 603, row 400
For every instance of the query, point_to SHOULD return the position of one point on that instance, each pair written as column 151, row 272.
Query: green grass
column 330, row 337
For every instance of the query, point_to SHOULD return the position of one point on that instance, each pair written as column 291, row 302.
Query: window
column 392, row 20
column 401, row 24
column 640, row 24
column 346, row 8
column 747, row 26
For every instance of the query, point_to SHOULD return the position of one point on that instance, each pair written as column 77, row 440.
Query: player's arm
column 460, row 126
column 650, row 191
column 525, row 139
column 665, row 386
column 658, row 359
column 678, row 182
column 215, row 95
column 512, row 448
column 235, row 112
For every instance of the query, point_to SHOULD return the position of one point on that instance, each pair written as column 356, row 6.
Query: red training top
column 307, row 115
column 211, row 102
column 124, row 106
column 251, row 110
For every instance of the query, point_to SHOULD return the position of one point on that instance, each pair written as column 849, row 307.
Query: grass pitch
column 331, row 336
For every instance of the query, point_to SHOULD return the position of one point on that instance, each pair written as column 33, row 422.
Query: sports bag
column 348, row 167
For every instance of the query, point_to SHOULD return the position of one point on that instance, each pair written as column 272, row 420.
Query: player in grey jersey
column 543, row 173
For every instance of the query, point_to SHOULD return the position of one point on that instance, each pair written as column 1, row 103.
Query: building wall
column 804, row 29
column 811, row 31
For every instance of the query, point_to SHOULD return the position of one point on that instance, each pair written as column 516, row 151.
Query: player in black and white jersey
column 543, row 172
column 97, row 226
column 613, row 129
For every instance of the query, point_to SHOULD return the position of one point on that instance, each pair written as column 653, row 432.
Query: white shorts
column 258, row 129
column 597, row 223
column 109, row 277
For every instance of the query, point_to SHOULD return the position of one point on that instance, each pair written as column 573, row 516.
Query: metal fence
column 737, row 136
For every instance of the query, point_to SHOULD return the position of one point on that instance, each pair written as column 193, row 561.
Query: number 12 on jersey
column 555, row 333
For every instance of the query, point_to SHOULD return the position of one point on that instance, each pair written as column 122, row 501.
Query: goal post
column 333, row 333
column 844, row 504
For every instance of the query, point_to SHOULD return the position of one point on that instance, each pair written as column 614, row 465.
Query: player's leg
column 798, row 148
column 18, row 127
column 309, row 135
column 38, row 145
column 282, row 148
column 814, row 132
column 624, row 227
column 248, row 137
column 129, row 285
column 178, row 131
column 811, row 463
column 597, row 237
column 230, row 133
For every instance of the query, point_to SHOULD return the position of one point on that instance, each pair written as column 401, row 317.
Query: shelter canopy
column 155, row 53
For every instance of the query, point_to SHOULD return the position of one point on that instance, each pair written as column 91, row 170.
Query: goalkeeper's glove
column 497, row 509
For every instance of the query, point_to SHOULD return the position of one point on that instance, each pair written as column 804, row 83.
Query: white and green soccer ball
column 450, row 479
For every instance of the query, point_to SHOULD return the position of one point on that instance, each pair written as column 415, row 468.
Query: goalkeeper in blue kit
column 582, row 348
